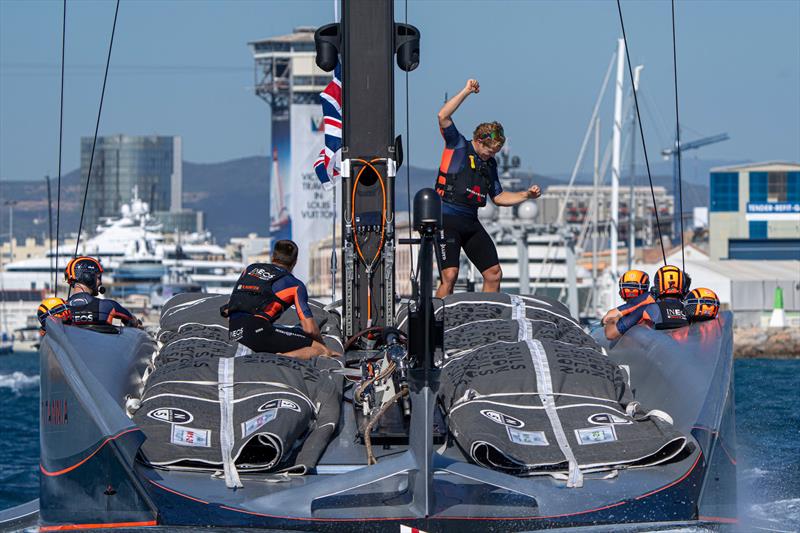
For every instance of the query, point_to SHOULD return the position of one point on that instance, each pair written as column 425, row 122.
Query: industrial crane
column 671, row 152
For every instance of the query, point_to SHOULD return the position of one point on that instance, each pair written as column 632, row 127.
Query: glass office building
column 754, row 211
column 150, row 163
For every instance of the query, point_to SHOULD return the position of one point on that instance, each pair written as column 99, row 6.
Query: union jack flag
column 328, row 164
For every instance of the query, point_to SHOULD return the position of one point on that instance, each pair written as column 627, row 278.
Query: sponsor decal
column 185, row 436
column 83, row 316
column 605, row 419
column 261, row 274
column 526, row 438
column 257, row 422
column 475, row 192
column 171, row 415
column 596, row 435
column 674, row 312
column 502, row 418
column 236, row 334
column 55, row 412
column 317, row 124
column 243, row 287
column 279, row 403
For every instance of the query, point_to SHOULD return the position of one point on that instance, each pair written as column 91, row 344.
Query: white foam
column 781, row 512
column 755, row 472
column 17, row 381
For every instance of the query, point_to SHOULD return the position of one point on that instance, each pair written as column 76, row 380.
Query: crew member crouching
column 261, row 295
column 701, row 304
column 662, row 307
column 52, row 307
column 84, row 275
column 632, row 285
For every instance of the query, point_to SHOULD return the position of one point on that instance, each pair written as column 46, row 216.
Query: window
column 793, row 186
column 776, row 187
column 758, row 229
column 758, row 186
column 724, row 191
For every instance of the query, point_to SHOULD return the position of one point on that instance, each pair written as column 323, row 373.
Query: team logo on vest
column 83, row 316
column 475, row 193
column 502, row 418
column 262, row 274
column 280, row 403
column 171, row 415
column 605, row 419
column 674, row 312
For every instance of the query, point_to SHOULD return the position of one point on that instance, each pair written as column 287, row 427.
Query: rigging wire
column 60, row 145
column 678, row 137
column 96, row 128
column 641, row 133
column 412, row 272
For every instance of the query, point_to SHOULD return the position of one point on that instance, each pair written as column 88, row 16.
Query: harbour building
column 754, row 212
column 288, row 79
column 150, row 165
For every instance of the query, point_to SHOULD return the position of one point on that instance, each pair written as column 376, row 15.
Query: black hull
column 90, row 474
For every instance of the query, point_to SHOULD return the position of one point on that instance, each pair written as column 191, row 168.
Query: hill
column 235, row 195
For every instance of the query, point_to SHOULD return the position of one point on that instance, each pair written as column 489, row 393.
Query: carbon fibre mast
column 367, row 40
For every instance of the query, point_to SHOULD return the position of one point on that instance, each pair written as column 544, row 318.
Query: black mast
column 366, row 41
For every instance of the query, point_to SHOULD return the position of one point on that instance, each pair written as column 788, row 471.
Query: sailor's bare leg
column 449, row 277
column 491, row 279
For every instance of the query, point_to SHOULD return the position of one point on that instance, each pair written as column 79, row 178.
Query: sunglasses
column 493, row 135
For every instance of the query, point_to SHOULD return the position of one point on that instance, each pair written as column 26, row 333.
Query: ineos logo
column 279, row 404
column 502, row 418
column 171, row 415
column 605, row 419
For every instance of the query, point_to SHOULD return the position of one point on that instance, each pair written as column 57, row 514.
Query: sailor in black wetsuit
column 84, row 276
column 261, row 295
column 467, row 178
column 662, row 307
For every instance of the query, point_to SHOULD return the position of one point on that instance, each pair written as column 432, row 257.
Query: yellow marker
column 472, row 161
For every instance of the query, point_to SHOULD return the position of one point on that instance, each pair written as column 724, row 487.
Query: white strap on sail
column 241, row 350
column 544, row 385
column 226, row 435
column 633, row 408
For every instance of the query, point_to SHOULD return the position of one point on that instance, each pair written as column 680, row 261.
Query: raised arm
column 451, row 105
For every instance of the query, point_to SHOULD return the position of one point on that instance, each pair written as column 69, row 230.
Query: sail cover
column 211, row 404
column 527, row 391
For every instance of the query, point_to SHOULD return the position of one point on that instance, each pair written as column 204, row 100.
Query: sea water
column 767, row 425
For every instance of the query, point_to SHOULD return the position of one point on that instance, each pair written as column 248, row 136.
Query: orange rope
column 368, row 164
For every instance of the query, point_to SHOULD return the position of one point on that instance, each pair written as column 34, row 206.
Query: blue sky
column 183, row 67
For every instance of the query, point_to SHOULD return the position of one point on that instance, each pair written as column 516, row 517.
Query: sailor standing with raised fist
column 467, row 177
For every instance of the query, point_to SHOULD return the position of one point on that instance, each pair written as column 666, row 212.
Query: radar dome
column 487, row 212
column 527, row 210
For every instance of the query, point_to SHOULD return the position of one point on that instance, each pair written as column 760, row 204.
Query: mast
column 366, row 40
column 616, row 142
column 595, row 208
column 632, row 171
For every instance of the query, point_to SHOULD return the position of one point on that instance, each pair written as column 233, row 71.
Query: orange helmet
column 84, row 270
column 56, row 307
column 671, row 281
column 701, row 304
column 633, row 284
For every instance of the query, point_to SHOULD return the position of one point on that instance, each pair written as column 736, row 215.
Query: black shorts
column 261, row 335
column 469, row 234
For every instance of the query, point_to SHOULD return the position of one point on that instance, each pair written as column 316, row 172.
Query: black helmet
column 84, row 270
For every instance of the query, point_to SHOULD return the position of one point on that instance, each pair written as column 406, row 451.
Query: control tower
column 288, row 79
